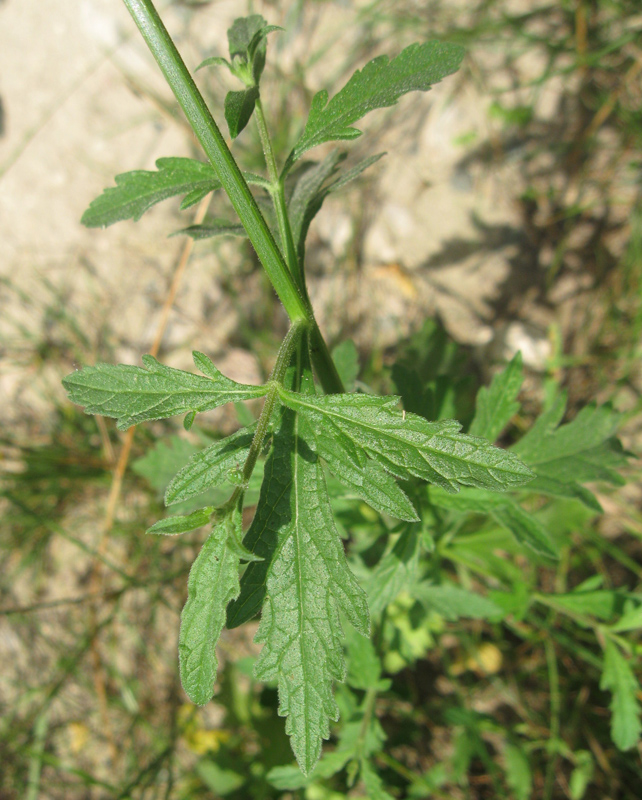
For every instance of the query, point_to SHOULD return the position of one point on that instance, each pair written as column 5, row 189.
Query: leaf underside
column 212, row 228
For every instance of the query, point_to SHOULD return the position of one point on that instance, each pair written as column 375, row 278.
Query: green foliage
column 248, row 46
column 213, row 582
column 308, row 583
column 619, row 679
column 497, row 405
column 379, row 84
column 136, row 192
column 365, row 426
column 174, row 525
column 446, row 516
column 133, row 394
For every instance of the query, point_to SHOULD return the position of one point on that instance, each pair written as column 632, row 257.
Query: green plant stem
column 321, row 357
column 284, row 357
column 35, row 763
column 323, row 364
column 207, row 132
column 278, row 198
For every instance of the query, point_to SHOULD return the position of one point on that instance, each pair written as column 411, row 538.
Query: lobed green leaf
column 308, row 583
column 210, row 467
column 213, row 582
column 582, row 450
column 408, row 445
column 378, row 85
column 365, row 478
column 135, row 192
column 496, row 405
column 135, row 394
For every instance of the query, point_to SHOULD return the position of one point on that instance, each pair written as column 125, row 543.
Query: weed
column 460, row 549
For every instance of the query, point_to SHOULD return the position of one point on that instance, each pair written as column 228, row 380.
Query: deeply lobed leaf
column 378, row 85
column 582, row 450
column 496, row 405
column 135, row 394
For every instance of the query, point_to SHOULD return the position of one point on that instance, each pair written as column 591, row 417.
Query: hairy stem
column 198, row 115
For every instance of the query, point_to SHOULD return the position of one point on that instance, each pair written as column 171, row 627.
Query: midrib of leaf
column 391, row 434
column 304, row 660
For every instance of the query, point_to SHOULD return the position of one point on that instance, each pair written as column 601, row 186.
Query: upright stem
column 191, row 101
column 278, row 197
column 293, row 297
column 321, row 357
